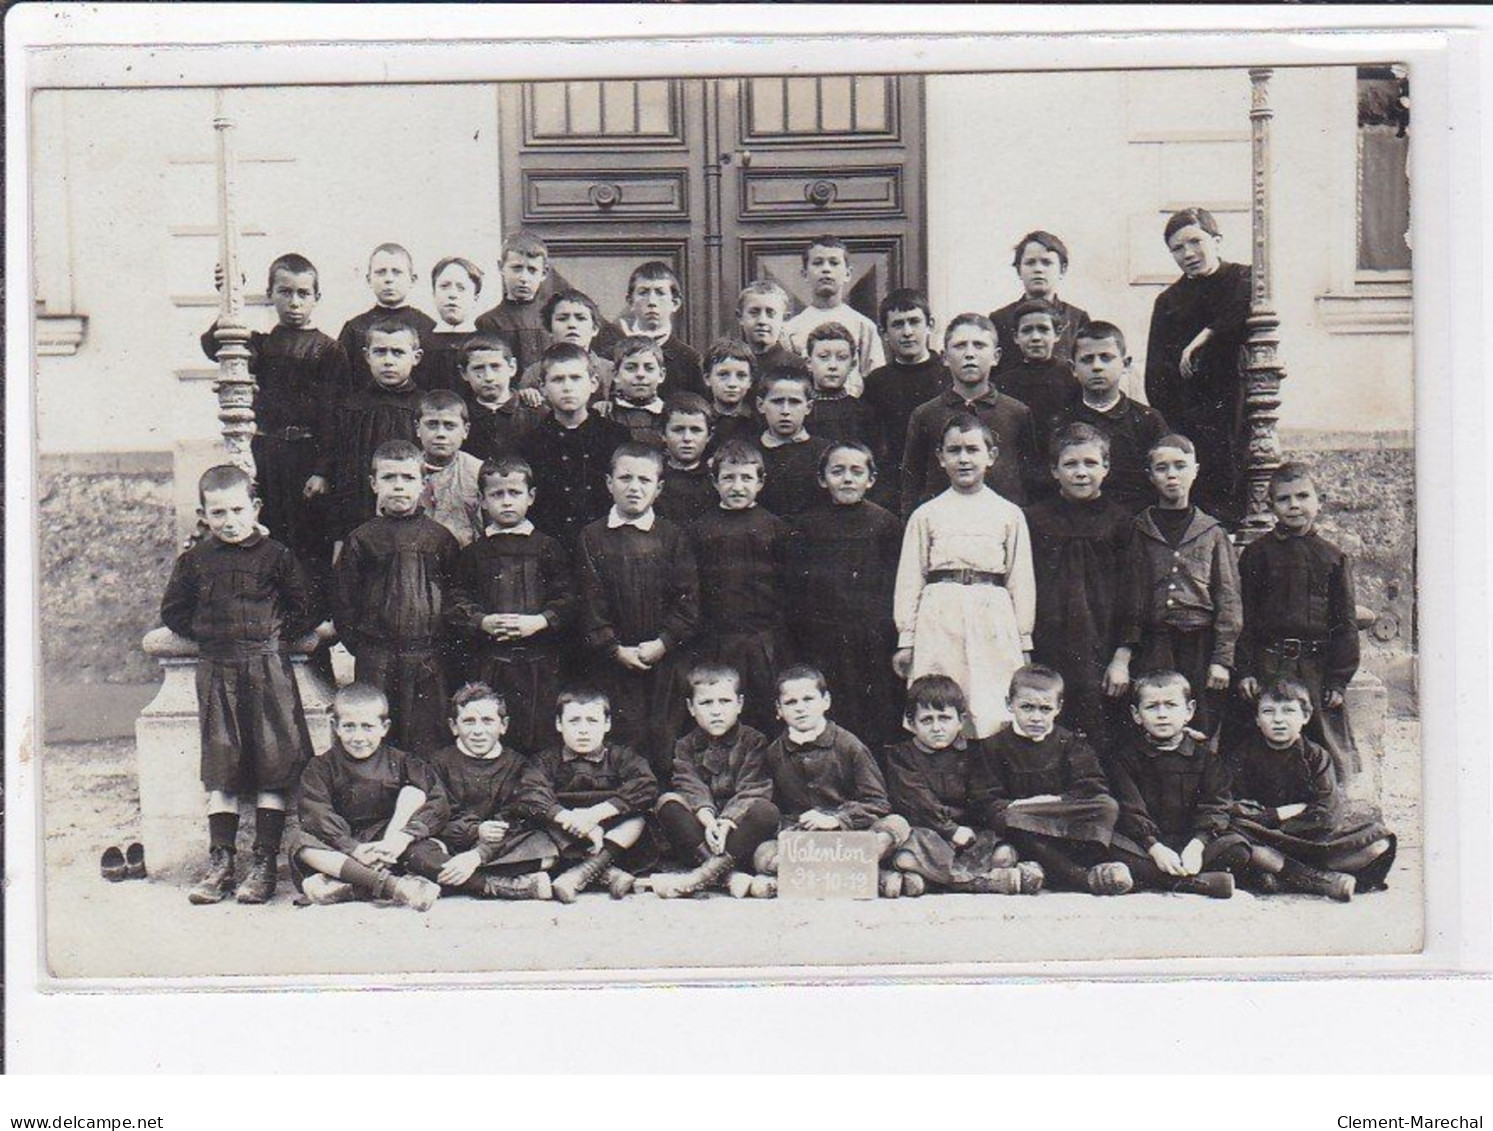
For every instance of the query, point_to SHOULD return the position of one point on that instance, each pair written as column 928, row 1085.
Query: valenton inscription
column 830, row 865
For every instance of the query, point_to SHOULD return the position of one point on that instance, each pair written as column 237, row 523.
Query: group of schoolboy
column 636, row 564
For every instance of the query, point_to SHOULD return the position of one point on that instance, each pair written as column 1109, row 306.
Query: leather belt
column 966, row 577
column 1292, row 649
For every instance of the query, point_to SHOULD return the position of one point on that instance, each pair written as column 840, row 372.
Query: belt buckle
column 1291, row 649
column 964, row 576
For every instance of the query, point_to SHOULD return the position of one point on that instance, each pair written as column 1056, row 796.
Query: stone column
column 234, row 386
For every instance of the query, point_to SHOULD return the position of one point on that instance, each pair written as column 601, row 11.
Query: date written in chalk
column 832, row 865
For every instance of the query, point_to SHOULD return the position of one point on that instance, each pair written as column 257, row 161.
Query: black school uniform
column 440, row 366
column 1005, row 332
column 923, row 476
column 791, row 483
column 1132, row 430
column 1265, row 780
column 682, row 369
column 931, row 789
column 570, row 473
column 644, row 422
column 389, row 601
column 354, row 430
column 833, row 773
column 728, row 776
column 354, row 336
column 745, row 425
column 688, row 493
column 558, row 778
column 1050, row 390
column 778, row 358
column 1300, row 622
column 478, row 790
column 498, row 431
column 242, row 603
column 839, row 417
column 1208, row 407
column 343, row 801
column 517, row 571
column 1078, row 550
column 519, row 324
column 842, row 568
column 298, row 372
column 894, row 391
column 638, row 585
column 742, row 562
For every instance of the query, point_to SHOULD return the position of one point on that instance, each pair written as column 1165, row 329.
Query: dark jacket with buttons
column 1171, row 796
column 833, row 773
column 1193, row 585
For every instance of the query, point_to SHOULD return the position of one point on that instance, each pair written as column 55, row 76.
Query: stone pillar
column 1262, row 368
column 168, row 754
column 234, row 386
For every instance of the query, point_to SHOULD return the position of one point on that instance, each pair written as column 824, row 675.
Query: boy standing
column 654, row 299
column 730, row 373
column 1100, row 364
column 790, row 455
column 827, row 270
column 912, row 376
column 570, row 449
column 1181, row 609
column 389, row 599
column 761, row 310
column 740, row 550
column 636, row 404
column 640, row 601
column 569, row 316
column 498, row 419
column 456, row 283
column 1041, row 381
column 241, row 596
column 391, row 274
column 970, row 354
column 523, row 267
column 1173, row 830
column 512, row 599
column 1300, row 614
column 838, row 416
column 363, row 806
column 687, row 488
column 1041, row 261
column 451, row 495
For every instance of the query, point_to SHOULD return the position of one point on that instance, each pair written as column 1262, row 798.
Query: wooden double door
column 727, row 180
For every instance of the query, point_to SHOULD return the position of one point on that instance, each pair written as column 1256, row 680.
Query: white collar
column 772, row 440
column 525, row 527
column 643, row 522
column 633, row 331
column 799, row 738
column 497, row 752
column 655, row 406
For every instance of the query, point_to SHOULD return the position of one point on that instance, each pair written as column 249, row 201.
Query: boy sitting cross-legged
column 1042, row 789
column 483, row 848
column 719, row 807
column 363, row 806
column 512, row 600
column 592, row 796
column 824, row 779
column 240, row 595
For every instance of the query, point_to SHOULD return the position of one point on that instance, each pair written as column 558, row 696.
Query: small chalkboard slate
column 836, row 865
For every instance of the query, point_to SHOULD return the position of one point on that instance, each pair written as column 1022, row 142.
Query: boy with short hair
column 386, row 408
column 569, row 316
column 929, row 779
column 912, row 375
column 824, row 779
column 635, row 403
column 241, row 596
column 838, row 416
column 1180, row 608
column 389, row 598
column 970, row 354
column 363, row 806
column 570, row 448
column 687, row 488
column 730, row 374
column 1100, row 362
column 1300, row 614
column 498, row 418
column 1040, row 380
column 761, row 310
column 391, row 275
column 826, row 267
column 456, row 284
column 640, row 602
column 654, row 299
column 1041, row 261
column 719, row 805
column 523, row 267
column 790, row 455
column 298, row 371
column 1080, row 541
column 482, row 847
column 740, row 551
column 842, row 566
column 1173, row 830
column 593, row 797
column 1042, row 789
column 512, row 600
column 451, row 495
